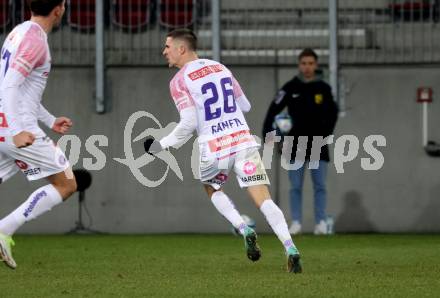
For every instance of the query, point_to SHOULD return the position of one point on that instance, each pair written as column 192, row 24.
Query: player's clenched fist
column 152, row 146
column 23, row 139
column 62, row 125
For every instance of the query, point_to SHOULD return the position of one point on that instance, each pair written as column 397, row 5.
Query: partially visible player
column 24, row 69
column 210, row 100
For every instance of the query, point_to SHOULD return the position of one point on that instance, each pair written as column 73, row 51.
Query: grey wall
column 402, row 196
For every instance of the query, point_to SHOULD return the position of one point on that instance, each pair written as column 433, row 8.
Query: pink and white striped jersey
column 24, row 69
column 210, row 100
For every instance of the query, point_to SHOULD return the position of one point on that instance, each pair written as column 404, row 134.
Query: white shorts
column 247, row 164
column 42, row 159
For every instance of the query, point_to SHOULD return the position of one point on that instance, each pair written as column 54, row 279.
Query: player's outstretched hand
column 23, row 139
column 62, row 125
column 152, row 146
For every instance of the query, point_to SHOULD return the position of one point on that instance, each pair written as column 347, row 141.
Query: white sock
column 40, row 201
column 277, row 222
column 226, row 208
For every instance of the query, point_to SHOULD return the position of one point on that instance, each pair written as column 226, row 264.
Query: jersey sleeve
column 180, row 93
column 187, row 111
column 30, row 53
column 183, row 130
column 240, row 98
column 44, row 116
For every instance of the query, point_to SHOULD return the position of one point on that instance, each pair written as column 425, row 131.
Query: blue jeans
column 296, row 178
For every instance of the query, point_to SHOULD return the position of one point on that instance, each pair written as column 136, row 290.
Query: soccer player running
column 210, row 100
column 25, row 66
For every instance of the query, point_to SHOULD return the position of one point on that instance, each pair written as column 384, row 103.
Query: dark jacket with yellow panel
column 312, row 109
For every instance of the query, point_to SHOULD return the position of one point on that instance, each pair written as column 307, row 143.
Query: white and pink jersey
column 24, row 69
column 219, row 102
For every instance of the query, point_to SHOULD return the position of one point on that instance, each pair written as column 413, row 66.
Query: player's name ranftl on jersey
column 225, row 125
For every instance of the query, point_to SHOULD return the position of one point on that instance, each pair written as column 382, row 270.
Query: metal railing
column 396, row 31
column 252, row 31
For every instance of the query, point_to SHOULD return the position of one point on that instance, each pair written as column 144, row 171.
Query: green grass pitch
column 216, row 266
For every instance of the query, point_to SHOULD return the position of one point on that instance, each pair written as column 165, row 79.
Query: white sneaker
column 295, row 228
column 321, row 228
column 5, row 251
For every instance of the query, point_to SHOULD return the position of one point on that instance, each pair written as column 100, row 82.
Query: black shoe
column 250, row 241
column 293, row 261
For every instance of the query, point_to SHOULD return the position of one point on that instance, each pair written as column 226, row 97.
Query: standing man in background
column 24, row 69
column 314, row 113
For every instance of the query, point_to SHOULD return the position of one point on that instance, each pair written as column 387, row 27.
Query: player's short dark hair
column 308, row 52
column 43, row 7
column 186, row 35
